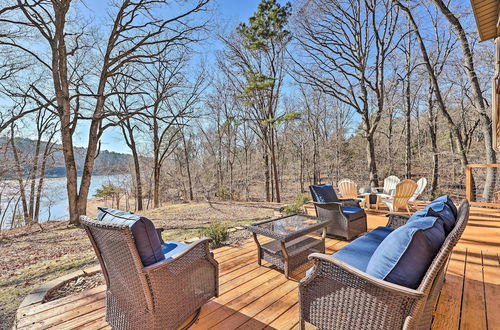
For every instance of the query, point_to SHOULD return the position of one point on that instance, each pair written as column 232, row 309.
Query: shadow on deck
column 253, row 297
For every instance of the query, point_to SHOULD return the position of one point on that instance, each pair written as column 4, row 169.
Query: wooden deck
column 253, row 297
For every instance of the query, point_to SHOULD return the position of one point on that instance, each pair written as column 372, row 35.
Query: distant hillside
column 106, row 162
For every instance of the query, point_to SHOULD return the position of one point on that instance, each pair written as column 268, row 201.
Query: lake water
column 54, row 205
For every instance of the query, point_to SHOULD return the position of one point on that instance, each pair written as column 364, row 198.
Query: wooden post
column 259, row 251
column 495, row 127
column 468, row 183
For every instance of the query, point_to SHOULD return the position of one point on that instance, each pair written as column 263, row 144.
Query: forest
column 303, row 92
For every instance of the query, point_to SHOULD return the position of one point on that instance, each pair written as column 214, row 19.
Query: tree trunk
column 275, row 168
column 46, row 152
column 128, row 134
column 156, row 187
column 188, row 169
column 489, row 184
column 370, row 156
column 20, row 178
column 434, row 146
column 408, row 113
column 266, row 174
column 34, row 170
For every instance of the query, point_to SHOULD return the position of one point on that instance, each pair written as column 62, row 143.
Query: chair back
column 434, row 277
column 448, row 245
column 390, row 184
column 323, row 193
column 404, row 190
column 120, row 263
column 421, row 184
column 348, row 189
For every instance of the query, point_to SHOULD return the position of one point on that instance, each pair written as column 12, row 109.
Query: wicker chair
column 348, row 219
column 338, row 296
column 160, row 296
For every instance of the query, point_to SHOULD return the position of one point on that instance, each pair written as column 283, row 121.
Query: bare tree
column 254, row 62
column 136, row 27
column 436, row 87
column 478, row 99
column 345, row 47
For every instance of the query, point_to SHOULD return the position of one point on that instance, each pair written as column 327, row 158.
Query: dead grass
column 31, row 256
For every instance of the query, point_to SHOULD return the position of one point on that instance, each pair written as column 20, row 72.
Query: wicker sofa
column 337, row 295
column 348, row 219
column 158, row 292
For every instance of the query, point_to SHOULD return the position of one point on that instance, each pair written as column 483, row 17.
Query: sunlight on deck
column 253, row 297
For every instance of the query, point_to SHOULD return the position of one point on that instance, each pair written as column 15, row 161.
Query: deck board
column 473, row 305
column 259, row 297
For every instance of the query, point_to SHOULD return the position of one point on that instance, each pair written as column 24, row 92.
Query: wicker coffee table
column 290, row 247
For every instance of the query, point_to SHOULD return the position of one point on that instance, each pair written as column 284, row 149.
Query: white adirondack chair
column 389, row 188
column 390, row 184
column 421, row 185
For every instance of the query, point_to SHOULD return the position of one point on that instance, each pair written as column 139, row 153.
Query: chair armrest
column 330, row 211
column 185, row 282
column 327, row 203
column 201, row 243
column 397, row 220
column 384, row 195
column 159, row 231
column 385, row 285
column 349, row 202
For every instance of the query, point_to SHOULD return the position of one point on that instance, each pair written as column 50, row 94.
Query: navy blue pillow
column 405, row 254
column 437, row 209
column 323, row 193
column 446, row 199
column 146, row 239
column 443, row 210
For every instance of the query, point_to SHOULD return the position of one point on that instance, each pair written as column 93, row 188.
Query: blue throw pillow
column 405, row 254
column 146, row 239
column 446, row 199
column 323, row 193
column 443, row 210
column 437, row 209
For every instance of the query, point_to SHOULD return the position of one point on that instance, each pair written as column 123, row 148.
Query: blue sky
column 227, row 13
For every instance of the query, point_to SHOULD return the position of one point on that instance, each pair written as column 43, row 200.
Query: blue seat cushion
column 437, row 209
column 353, row 213
column 358, row 252
column 171, row 248
column 349, row 210
column 323, row 193
column 143, row 230
column 404, row 256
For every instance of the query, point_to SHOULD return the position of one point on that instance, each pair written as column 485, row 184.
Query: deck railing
column 475, row 179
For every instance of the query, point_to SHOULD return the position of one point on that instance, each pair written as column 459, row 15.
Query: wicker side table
column 290, row 247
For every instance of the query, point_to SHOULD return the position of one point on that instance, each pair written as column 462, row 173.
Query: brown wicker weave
column 339, row 296
column 340, row 224
column 159, row 296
